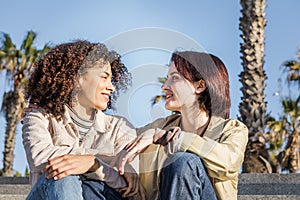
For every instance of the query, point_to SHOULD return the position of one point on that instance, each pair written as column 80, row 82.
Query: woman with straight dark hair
column 201, row 150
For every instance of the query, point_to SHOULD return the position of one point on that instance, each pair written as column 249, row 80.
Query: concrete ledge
column 14, row 189
column 269, row 184
column 250, row 187
column 14, row 180
column 12, row 197
column 269, row 178
column 268, row 197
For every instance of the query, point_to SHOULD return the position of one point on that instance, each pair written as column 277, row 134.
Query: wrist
column 159, row 136
column 95, row 165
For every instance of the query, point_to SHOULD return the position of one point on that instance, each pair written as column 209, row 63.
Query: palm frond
column 28, row 41
column 157, row 98
column 162, row 79
column 6, row 41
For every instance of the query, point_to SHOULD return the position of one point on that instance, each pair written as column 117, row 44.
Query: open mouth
column 106, row 96
column 169, row 96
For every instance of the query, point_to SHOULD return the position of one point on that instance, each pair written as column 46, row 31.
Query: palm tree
column 253, row 107
column 283, row 135
column 18, row 63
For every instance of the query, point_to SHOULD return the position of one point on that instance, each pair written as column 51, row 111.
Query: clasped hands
column 69, row 164
column 140, row 143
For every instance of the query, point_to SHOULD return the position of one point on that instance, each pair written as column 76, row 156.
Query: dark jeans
column 185, row 177
column 98, row 190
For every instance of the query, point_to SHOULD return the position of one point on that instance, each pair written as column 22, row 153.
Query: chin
column 171, row 108
column 101, row 107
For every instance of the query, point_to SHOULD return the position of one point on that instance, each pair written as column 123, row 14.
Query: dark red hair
column 196, row 66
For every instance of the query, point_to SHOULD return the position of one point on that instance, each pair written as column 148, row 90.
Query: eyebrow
column 107, row 73
column 172, row 73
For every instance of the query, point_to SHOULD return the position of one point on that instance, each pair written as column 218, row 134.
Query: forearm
column 103, row 172
column 222, row 160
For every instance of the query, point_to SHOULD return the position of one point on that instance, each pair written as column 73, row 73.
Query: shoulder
column 121, row 120
column 36, row 113
column 162, row 123
column 36, row 120
column 106, row 122
column 234, row 123
column 236, row 127
column 220, row 127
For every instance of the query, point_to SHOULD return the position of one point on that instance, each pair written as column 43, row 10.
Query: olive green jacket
column 221, row 149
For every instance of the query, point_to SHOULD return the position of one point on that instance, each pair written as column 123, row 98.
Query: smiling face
column 96, row 87
column 179, row 91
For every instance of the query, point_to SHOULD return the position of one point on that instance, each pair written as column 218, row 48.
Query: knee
column 65, row 188
column 182, row 162
column 68, row 181
column 69, row 186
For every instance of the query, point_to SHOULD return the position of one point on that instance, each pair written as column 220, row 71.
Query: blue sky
column 211, row 25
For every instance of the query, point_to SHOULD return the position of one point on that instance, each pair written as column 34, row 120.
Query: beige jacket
column 44, row 137
column 221, row 148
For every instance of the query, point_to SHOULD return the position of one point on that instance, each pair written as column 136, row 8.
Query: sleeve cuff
column 186, row 140
column 108, row 175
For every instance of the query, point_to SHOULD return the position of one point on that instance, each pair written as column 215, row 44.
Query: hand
column 69, row 164
column 167, row 136
column 134, row 185
column 133, row 148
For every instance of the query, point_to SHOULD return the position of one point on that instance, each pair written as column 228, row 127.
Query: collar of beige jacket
column 213, row 131
column 102, row 121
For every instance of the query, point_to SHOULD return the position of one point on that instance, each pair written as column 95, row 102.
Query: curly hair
column 52, row 83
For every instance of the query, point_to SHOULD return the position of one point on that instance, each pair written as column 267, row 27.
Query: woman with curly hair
column 67, row 138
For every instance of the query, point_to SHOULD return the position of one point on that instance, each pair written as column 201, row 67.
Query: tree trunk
column 12, row 105
column 294, row 141
column 294, row 157
column 253, row 107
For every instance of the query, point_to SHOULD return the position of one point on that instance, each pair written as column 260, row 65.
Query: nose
column 110, row 86
column 165, row 86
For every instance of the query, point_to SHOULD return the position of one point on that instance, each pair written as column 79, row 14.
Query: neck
column 83, row 112
column 194, row 120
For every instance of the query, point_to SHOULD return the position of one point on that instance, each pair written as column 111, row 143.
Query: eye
column 175, row 78
column 104, row 76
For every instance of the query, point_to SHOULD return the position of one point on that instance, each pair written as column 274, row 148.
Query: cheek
column 183, row 90
column 185, row 94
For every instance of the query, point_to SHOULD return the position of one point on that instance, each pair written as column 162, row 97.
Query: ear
column 80, row 80
column 78, row 85
column 199, row 86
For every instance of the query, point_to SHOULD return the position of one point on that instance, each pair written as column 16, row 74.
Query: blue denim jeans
column 71, row 187
column 184, row 177
column 97, row 190
column 50, row 189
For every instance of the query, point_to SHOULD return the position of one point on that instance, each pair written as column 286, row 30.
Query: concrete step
column 16, row 189
column 12, row 197
column 268, row 197
column 269, row 184
column 14, row 180
column 250, row 187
